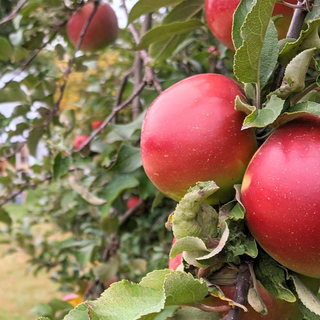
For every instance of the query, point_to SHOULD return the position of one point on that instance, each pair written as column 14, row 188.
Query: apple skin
column 280, row 192
column 132, row 202
column 277, row 309
column 192, row 133
column 103, row 28
column 79, row 141
column 177, row 260
column 219, row 16
column 96, row 124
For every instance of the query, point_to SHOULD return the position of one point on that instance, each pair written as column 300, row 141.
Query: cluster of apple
column 192, row 133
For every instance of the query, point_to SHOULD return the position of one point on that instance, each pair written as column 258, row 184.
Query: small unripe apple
column 132, row 202
column 96, row 124
column 79, row 141
column 103, row 28
column 219, row 16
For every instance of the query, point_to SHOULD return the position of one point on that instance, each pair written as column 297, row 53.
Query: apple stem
column 299, row 15
column 242, row 288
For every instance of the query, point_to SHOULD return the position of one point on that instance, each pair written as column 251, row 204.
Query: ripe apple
column 281, row 195
column 177, row 260
column 96, row 124
column 219, row 16
column 192, row 133
column 103, row 28
column 277, row 309
column 132, row 202
column 79, row 141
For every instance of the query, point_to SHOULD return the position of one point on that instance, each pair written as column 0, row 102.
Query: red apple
column 177, row 260
column 103, row 28
column 79, row 141
column 96, row 124
column 219, row 16
column 132, row 202
column 281, row 195
column 192, row 133
column 277, row 309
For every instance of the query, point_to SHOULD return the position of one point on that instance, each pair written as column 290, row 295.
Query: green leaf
column 192, row 247
column 5, row 217
column 182, row 289
column 126, row 301
column 184, row 11
column 268, row 114
column 167, row 31
column 106, row 271
column 239, row 17
column 224, row 230
column 193, row 217
column 68, row 118
column 12, row 93
column 155, row 279
column 194, row 313
column 6, row 49
column 248, row 57
column 85, row 193
column 298, row 110
column 143, row 7
column 110, row 224
column 79, row 313
column 125, row 131
column 308, row 39
column 128, row 159
column 272, row 276
column 119, row 183
column 35, row 136
column 309, row 300
column 84, row 255
column 42, row 309
column 56, row 167
column 295, row 74
column 167, row 313
column 159, row 51
column 256, row 302
column 269, row 54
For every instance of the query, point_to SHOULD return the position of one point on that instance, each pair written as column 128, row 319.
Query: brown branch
column 139, row 206
column 34, row 55
column 300, row 12
column 123, row 83
column 12, row 15
column 241, row 293
column 6, row 156
column 150, row 77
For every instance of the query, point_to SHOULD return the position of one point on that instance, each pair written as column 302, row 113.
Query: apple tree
column 115, row 120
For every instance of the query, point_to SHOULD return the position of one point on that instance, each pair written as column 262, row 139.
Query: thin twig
column 112, row 114
column 240, row 296
column 14, row 12
column 299, row 15
column 71, row 62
